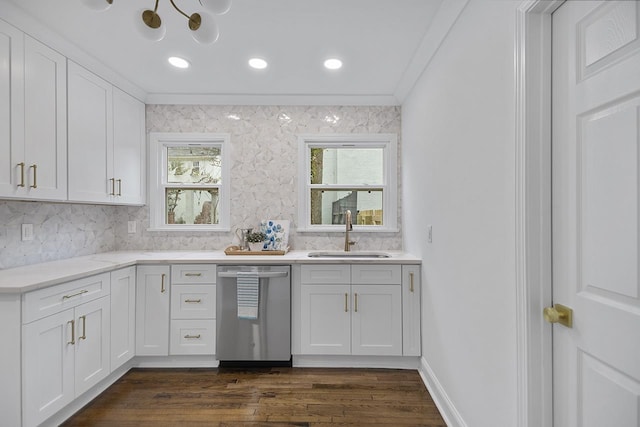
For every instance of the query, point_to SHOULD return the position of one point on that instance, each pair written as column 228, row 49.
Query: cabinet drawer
column 193, row 302
column 48, row 301
column 376, row 274
column 193, row 337
column 193, row 273
column 328, row 274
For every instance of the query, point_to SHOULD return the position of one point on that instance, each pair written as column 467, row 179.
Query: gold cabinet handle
column 21, row 164
column 73, row 332
column 162, row 288
column 84, row 291
column 84, row 328
column 35, row 175
column 192, row 337
column 119, row 187
column 411, row 282
column 559, row 314
column 193, row 274
column 356, row 302
column 113, row 186
column 193, row 301
column 346, row 302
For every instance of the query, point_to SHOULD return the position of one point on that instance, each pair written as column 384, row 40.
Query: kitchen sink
column 351, row 254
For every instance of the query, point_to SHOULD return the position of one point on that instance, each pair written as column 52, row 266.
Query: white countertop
column 36, row 276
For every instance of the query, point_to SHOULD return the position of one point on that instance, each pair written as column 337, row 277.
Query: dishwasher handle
column 261, row 275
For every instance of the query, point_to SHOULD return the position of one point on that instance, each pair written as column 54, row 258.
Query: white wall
column 458, row 175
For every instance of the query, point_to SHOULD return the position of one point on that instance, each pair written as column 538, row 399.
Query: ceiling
column 377, row 40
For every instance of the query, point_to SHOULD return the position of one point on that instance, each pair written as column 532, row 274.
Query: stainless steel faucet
column 348, row 227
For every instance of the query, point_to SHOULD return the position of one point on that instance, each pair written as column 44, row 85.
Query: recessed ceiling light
column 258, row 63
column 333, row 64
column 178, row 62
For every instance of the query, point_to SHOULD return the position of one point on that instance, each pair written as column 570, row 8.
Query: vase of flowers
column 256, row 240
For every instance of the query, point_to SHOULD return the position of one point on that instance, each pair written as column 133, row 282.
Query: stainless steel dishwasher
column 265, row 337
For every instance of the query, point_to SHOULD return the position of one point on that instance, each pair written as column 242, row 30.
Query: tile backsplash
column 264, row 153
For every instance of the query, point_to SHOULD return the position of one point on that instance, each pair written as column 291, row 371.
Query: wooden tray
column 235, row 250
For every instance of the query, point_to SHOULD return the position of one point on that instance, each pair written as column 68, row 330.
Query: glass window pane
column 194, row 165
column 358, row 166
column 329, row 206
column 186, row 206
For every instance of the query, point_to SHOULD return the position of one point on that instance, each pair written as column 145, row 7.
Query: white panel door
column 11, row 109
column 152, row 310
column 90, row 136
column 376, row 320
column 411, row 338
column 596, row 135
column 326, row 319
column 48, row 359
column 45, row 116
column 123, row 316
column 93, row 359
column 128, row 148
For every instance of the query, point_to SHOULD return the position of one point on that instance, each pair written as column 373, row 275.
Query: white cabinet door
column 152, row 311
column 411, row 310
column 90, row 136
column 326, row 316
column 123, row 316
column 376, row 320
column 11, row 109
column 48, row 366
column 128, row 148
column 92, row 361
column 45, row 122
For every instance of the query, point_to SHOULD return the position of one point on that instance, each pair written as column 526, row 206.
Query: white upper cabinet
column 106, row 141
column 32, row 117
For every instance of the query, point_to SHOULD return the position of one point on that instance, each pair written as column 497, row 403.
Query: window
column 348, row 172
column 189, row 179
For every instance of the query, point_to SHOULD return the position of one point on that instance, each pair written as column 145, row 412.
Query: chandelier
column 202, row 25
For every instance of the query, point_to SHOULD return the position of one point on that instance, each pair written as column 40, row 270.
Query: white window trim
column 389, row 142
column 157, row 160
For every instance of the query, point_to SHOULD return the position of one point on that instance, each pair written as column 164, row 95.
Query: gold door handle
column 73, row 332
column 193, row 274
column 193, row 301
column 192, row 337
column 21, row 164
column 411, row 282
column 35, row 175
column 113, row 186
column 119, row 187
column 356, row 302
column 162, row 288
column 346, row 302
column 84, row 291
column 559, row 314
column 84, row 328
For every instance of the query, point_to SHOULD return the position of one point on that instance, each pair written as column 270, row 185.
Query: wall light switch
column 131, row 227
column 429, row 234
column 27, row 232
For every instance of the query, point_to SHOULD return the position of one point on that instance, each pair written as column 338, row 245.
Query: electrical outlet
column 429, row 234
column 131, row 227
column 27, row 232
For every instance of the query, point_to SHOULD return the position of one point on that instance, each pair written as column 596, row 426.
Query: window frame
column 389, row 144
column 158, row 143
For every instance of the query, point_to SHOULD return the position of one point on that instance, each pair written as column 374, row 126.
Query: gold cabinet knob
column 559, row 314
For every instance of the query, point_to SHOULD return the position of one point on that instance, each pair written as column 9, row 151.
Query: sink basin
column 352, row 254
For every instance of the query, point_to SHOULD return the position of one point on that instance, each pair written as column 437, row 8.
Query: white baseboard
column 385, row 362
column 446, row 407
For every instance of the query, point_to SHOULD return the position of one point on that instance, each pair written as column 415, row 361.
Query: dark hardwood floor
column 262, row 397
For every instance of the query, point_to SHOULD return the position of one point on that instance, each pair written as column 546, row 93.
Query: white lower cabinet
column 193, row 309
column 351, row 310
column 65, row 353
column 123, row 316
column 152, row 310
